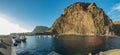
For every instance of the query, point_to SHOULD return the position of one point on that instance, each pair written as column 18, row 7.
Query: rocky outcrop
column 117, row 27
column 111, row 52
column 53, row 53
column 83, row 18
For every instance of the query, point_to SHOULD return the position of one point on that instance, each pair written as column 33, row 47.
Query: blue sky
column 31, row 13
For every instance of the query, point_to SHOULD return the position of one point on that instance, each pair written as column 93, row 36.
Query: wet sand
column 5, row 45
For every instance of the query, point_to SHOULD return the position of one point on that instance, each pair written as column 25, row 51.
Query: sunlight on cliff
column 7, row 27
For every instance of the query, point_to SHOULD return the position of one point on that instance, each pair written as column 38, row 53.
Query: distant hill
column 117, row 22
column 40, row 29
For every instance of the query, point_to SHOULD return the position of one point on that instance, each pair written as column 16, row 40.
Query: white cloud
column 7, row 27
column 116, row 7
column 114, row 13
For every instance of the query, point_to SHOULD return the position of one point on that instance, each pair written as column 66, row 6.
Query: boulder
column 111, row 52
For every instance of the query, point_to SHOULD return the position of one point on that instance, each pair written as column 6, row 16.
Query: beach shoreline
column 6, row 47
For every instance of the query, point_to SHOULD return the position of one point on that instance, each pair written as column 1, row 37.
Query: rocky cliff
column 83, row 18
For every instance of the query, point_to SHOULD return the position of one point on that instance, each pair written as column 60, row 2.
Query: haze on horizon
column 7, row 27
column 26, row 14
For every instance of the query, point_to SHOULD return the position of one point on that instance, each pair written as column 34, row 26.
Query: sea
column 67, row 45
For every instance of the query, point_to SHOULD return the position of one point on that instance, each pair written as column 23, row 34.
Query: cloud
column 7, row 27
column 116, row 7
column 114, row 13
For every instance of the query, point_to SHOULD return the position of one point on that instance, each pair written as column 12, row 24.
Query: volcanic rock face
column 117, row 27
column 85, row 19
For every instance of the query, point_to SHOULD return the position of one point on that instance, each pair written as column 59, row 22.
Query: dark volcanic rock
column 83, row 18
column 117, row 27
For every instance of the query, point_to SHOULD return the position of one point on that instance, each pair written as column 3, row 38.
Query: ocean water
column 66, row 45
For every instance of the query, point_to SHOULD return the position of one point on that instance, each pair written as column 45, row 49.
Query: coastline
column 88, row 35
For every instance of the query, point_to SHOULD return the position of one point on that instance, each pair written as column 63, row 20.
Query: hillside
column 40, row 29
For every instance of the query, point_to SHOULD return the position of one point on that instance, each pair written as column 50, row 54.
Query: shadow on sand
column 3, row 46
column 1, row 53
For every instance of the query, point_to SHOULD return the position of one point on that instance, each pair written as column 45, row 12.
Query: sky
column 26, row 14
